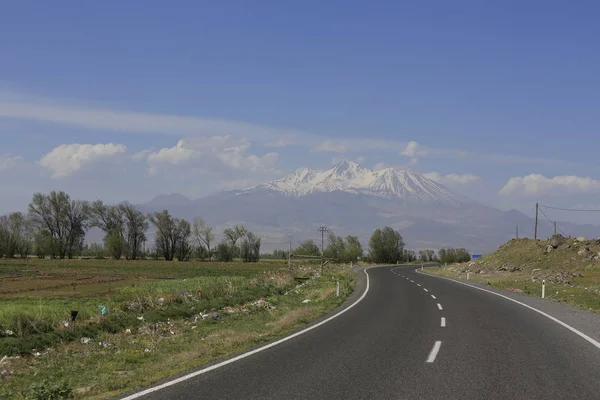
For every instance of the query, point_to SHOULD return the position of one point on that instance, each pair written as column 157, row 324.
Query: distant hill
column 351, row 199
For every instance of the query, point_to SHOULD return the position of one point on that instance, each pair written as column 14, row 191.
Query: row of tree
column 56, row 225
column 386, row 246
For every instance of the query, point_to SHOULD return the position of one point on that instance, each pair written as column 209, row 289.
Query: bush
column 47, row 390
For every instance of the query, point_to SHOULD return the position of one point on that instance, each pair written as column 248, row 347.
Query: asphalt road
column 384, row 348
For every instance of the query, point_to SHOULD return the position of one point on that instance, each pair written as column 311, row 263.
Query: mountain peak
column 351, row 177
column 164, row 200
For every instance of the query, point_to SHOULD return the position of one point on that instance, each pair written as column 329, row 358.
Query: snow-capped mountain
column 351, row 177
column 354, row 200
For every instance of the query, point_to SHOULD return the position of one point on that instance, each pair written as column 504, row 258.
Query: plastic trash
column 306, row 301
column 8, row 332
column 85, row 340
column 127, row 330
column 141, row 318
column 103, row 310
column 146, row 350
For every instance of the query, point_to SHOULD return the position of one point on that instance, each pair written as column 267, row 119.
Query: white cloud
column 214, row 154
column 537, row 184
column 19, row 106
column 69, row 158
column 413, row 149
column 453, row 179
column 8, row 161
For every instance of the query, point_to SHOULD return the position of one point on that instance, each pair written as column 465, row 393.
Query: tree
column 451, row 256
column 65, row 220
column 77, row 217
column 203, row 233
column 386, row 246
column 335, row 247
column 110, row 220
column 250, row 248
column 423, row 257
column 431, row 255
column 234, row 234
column 308, row 248
column 353, row 249
column 224, row 252
column 43, row 244
column 166, row 240
column 136, row 226
column 182, row 243
column 16, row 235
column 408, row 256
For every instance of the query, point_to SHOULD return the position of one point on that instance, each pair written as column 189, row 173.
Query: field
column 570, row 268
column 160, row 318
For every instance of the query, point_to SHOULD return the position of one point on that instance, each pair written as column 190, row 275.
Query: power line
column 571, row 209
column 544, row 214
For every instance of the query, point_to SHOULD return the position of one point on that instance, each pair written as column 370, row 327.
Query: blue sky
column 95, row 97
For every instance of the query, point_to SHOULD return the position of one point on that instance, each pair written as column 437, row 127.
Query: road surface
column 413, row 336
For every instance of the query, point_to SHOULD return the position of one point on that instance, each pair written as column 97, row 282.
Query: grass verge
column 175, row 334
column 570, row 267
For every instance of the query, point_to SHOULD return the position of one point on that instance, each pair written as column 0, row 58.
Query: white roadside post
column 337, row 291
column 543, row 288
column 468, row 273
column 421, row 267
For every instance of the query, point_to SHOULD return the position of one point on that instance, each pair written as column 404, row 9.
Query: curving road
column 413, row 336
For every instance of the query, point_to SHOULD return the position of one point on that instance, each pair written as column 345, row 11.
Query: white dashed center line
column 425, row 290
column 440, row 306
column 434, row 351
column 412, row 281
column 443, row 324
column 418, row 284
column 433, row 297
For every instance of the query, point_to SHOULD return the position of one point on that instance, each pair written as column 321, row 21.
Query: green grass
column 170, row 338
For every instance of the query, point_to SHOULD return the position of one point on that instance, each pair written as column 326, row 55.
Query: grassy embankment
column 571, row 269
column 157, row 323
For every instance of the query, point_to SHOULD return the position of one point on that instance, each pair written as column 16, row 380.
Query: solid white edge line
column 443, row 322
column 440, row 306
column 248, row 354
column 434, row 351
column 433, row 297
column 558, row 321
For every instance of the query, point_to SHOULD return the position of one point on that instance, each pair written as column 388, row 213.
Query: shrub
column 47, row 390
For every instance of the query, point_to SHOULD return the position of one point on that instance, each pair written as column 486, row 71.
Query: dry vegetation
column 570, row 267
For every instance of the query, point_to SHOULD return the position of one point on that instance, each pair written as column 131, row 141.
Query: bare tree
column 203, row 234
column 250, row 248
column 77, row 218
column 234, row 234
column 182, row 244
column 63, row 218
column 136, row 225
column 110, row 219
column 166, row 240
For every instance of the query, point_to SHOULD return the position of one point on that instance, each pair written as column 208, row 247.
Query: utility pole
column 517, row 231
column 537, row 207
column 322, row 230
column 555, row 227
column 290, row 255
